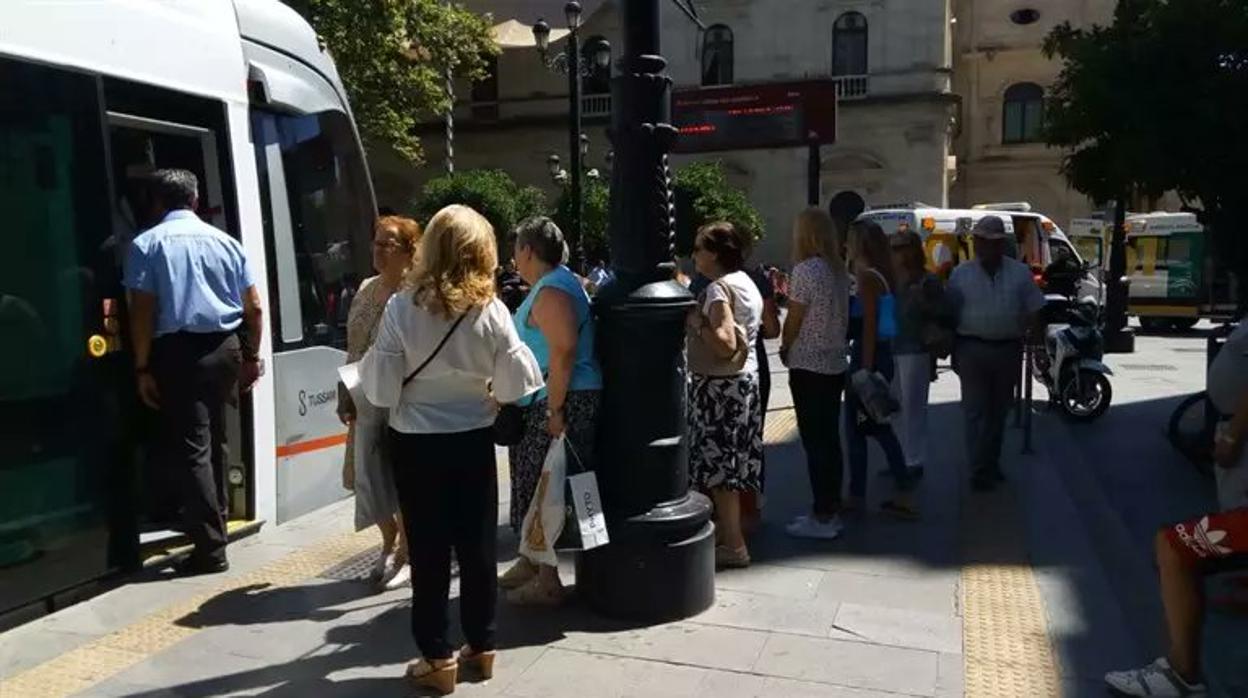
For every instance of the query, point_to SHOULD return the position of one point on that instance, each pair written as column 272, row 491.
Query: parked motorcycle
column 1069, row 363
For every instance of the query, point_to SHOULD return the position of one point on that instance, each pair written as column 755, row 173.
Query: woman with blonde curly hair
column 445, row 343
column 396, row 242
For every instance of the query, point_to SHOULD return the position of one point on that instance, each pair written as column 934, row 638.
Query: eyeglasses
column 387, row 245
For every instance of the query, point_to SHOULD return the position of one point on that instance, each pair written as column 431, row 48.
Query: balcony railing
column 595, row 106
column 850, row 87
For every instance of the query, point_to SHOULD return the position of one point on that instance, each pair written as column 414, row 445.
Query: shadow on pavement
column 1082, row 510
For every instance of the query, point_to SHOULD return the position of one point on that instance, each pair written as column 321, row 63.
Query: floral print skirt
column 726, row 432
column 527, row 458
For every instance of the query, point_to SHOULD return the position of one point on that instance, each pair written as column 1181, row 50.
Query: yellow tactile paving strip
column 81, row 668
column 1005, row 638
column 781, row 426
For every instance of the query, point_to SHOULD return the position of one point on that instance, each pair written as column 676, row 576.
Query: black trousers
column 817, row 402
column 448, row 492
column 196, row 374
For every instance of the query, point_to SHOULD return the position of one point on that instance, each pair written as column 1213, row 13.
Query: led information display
column 755, row 116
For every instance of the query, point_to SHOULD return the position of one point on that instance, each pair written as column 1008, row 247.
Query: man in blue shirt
column 997, row 301
column 196, row 322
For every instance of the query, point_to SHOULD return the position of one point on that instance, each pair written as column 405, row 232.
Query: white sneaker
column 1156, row 679
column 401, row 578
column 810, row 527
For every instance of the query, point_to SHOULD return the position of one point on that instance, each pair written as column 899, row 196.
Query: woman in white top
column 725, row 411
column 444, row 344
column 814, row 347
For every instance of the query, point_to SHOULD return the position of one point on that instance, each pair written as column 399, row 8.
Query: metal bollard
column 1027, row 388
column 1018, row 392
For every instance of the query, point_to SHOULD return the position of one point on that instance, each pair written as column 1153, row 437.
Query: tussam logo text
column 317, row 399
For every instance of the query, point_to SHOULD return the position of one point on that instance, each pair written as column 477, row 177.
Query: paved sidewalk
column 935, row 608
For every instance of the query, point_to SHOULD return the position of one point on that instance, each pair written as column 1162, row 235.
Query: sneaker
column 810, row 527
column 1156, row 679
column 402, row 577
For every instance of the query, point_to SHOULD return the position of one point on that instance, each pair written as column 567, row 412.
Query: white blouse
column 451, row 393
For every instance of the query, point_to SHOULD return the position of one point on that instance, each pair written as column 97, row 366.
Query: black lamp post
column 568, row 62
column 660, row 564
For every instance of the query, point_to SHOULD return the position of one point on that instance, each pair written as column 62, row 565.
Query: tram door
column 77, row 490
column 140, row 144
column 67, row 456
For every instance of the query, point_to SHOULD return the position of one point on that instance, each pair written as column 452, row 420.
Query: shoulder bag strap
column 883, row 281
column 441, row 344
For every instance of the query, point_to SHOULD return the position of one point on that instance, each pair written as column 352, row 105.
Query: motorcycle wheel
column 1086, row 399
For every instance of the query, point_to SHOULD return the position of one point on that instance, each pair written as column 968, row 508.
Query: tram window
column 152, row 127
column 318, row 222
column 58, row 257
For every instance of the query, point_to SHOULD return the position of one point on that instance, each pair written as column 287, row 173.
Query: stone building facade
column 939, row 100
column 1002, row 78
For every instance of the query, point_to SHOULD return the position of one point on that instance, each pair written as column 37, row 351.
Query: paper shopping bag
column 590, row 521
column 544, row 520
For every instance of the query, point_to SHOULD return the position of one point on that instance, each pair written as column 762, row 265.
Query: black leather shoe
column 194, row 567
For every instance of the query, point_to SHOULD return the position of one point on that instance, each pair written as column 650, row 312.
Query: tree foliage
column 492, row 193
column 393, row 56
column 1156, row 102
column 595, row 216
column 703, row 195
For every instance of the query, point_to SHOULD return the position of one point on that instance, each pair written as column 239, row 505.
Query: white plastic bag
column 544, row 520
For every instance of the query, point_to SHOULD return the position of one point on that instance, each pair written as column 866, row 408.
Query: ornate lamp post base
column 660, row 564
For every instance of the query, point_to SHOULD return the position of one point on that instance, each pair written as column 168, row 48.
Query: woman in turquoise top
column 872, row 351
column 557, row 324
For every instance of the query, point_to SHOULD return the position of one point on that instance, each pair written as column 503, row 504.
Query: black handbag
column 509, row 425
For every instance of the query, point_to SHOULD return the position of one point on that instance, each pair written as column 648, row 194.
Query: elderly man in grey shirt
column 997, row 301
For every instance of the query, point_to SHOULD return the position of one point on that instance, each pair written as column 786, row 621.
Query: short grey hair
column 174, row 188
column 541, row 235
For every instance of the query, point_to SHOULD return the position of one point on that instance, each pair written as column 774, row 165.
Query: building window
column 598, row 81
column 717, row 56
column 1025, row 16
column 1023, row 115
column 849, row 44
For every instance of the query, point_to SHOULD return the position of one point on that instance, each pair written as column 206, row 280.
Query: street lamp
column 660, row 564
column 560, row 176
column 568, row 62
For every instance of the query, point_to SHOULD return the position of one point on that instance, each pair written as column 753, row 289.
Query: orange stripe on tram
column 298, row 447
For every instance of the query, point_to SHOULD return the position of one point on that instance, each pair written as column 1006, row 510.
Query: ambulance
column 946, row 233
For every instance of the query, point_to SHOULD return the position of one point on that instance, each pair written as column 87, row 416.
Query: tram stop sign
column 746, row 117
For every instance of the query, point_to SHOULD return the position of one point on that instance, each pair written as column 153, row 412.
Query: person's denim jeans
column 857, row 428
